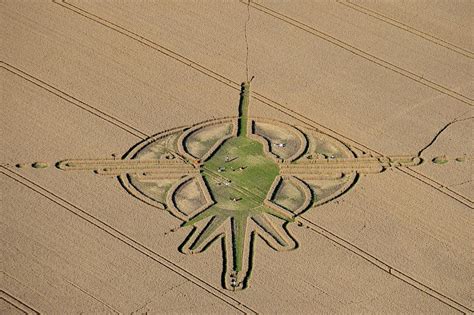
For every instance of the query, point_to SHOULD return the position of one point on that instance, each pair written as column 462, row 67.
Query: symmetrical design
column 236, row 178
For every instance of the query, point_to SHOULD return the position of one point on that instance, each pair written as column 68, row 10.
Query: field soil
column 90, row 79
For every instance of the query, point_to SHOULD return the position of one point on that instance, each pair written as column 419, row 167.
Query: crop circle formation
column 238, row 178
column 238, row 186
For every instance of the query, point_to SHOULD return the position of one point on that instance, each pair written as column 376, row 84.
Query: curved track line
column 236, row 86
column 321, row 231
column 438, row 134
column 313, row 124
column 72, row 100
column 232, row 84
column 105, row 227
column 385, row 267
column 365, row 55
column 408, row 28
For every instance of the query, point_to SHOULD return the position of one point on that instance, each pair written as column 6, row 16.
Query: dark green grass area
column 239, row 176
column 252, row 182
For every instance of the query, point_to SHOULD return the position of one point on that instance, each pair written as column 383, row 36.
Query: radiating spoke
column 338, row 166
column 144, row 168
column 274, row 234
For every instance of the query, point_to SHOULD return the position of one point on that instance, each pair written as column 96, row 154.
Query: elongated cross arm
column 335, row 167
column 110, row 167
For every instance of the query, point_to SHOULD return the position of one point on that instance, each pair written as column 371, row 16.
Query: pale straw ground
column 88, row 79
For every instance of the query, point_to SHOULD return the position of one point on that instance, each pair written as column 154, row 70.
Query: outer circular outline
column 126, row 183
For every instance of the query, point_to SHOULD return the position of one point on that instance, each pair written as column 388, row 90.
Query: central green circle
column 239, row 174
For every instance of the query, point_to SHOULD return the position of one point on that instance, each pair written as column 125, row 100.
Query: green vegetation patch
column 240, row 168
column 440, row 160
column 238, row 176
column 40, row 165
